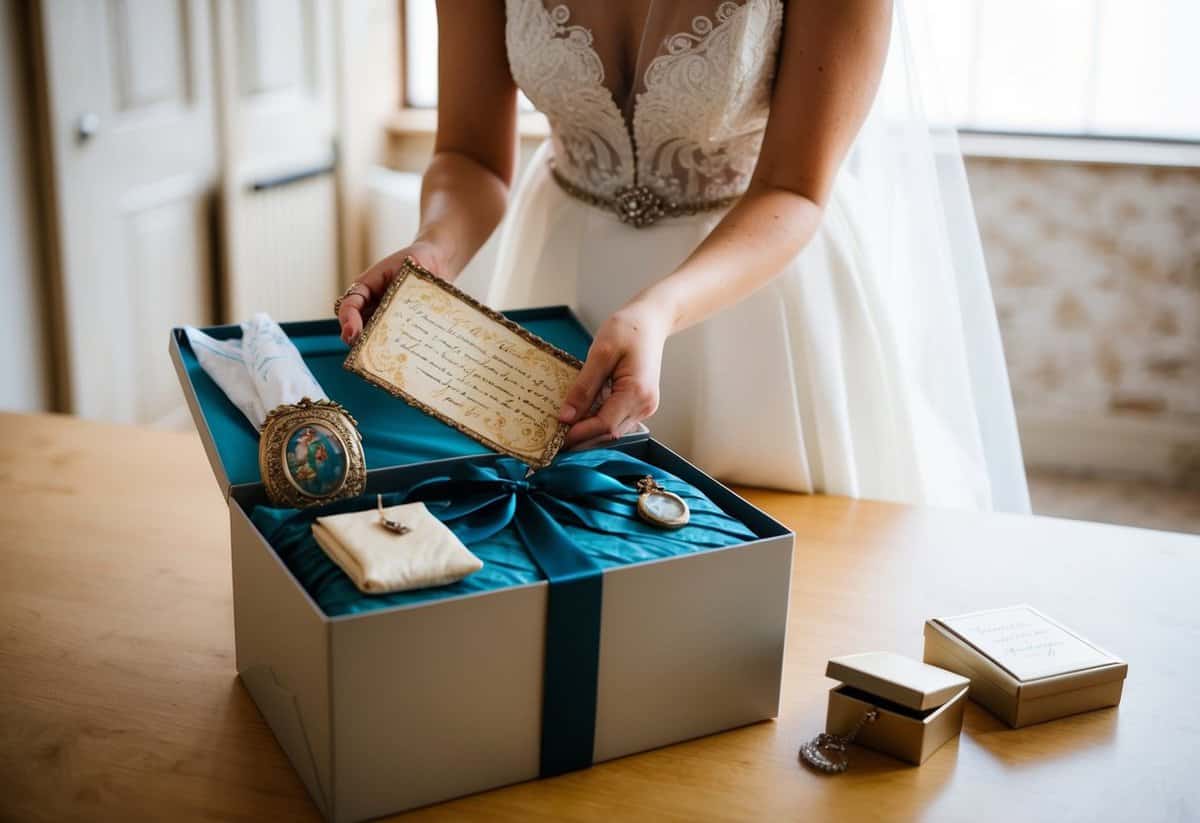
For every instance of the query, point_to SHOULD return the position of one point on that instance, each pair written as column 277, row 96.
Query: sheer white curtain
column 919, row 225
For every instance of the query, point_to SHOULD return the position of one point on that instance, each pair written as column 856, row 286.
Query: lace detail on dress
column 697, row 125
column 559, row 71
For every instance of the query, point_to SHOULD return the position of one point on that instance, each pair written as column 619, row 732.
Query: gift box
column 1024, row 667
column 919, row 706
column 406, row 705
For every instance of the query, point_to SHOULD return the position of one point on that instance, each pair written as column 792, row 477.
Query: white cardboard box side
column 438, row 700
column 719, row 619
column 283, row 656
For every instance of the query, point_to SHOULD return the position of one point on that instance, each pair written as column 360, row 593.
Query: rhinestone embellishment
column 639, row 206
column 636, row 205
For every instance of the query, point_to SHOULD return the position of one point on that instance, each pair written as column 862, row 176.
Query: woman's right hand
column 363, row 296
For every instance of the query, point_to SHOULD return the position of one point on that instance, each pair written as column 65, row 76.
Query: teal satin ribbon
column 483, row 500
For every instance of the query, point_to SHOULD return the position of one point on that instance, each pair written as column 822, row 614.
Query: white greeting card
column 1026, row 642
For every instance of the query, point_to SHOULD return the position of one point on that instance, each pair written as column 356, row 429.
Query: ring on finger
column 351, row 291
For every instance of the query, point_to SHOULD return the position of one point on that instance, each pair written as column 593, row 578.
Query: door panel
column 275, row 45
column 278, row 122
column 167, row 236
column 149, row 42
column 128, row 88
column 291, row 251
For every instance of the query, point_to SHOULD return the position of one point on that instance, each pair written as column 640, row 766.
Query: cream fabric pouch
column 379, row 560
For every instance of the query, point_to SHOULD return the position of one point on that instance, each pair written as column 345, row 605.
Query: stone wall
column 1096, row 275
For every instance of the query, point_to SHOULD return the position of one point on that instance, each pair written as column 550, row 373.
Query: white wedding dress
column 870, row 367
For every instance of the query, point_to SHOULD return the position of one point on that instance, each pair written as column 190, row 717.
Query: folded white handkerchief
column 259, row 371
column 380, row 561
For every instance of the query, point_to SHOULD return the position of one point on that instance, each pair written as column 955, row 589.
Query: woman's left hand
column 627, row 350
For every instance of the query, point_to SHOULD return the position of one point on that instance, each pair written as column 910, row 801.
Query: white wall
column 23, row 357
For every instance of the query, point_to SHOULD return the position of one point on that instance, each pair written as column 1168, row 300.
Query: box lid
column 394, row 433
column 1026, row 653
column 895, row 677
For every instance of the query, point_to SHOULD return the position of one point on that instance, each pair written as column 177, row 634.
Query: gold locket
column 659, row 507
column 311, row 453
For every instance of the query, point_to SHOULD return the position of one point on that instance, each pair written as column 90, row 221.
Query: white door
column 128, row 92
column 278, row 198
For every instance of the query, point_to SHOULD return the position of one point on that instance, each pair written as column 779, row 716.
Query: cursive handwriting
column 1026, row 643
column 464, row 365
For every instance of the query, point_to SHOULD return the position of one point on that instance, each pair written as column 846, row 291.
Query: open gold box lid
column 912, row 684
column 916, row 707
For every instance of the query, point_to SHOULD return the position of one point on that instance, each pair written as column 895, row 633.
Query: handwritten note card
column 470, row 367
column 1026, row 642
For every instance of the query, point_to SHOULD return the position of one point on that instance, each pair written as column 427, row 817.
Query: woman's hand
column 363, row 295
column 622, row 372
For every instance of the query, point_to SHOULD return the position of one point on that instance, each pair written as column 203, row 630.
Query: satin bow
column 481, row 500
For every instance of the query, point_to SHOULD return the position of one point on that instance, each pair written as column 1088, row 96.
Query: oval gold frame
column 661, row 522
column 277, row 430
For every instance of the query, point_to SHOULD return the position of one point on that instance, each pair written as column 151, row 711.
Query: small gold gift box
column 1024, row 667
column 919, row 706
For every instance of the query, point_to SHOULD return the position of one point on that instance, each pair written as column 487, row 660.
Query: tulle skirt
column 803, row 386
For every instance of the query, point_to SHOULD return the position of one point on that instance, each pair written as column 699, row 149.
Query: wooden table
column 119, row 700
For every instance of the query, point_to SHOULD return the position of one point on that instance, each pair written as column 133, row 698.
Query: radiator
column 283, row 247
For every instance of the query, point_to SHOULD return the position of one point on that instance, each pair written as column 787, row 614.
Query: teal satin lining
column 603, row 526
column 394, row 433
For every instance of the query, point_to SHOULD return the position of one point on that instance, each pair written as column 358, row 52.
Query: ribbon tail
column 571, row 672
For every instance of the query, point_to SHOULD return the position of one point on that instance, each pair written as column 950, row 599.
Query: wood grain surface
column 119, row 699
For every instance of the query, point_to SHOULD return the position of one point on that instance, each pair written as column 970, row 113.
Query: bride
column 776, row 256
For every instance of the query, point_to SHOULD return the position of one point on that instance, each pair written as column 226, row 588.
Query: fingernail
column 567, row 414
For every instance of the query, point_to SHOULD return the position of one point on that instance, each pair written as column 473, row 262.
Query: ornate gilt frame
column 281, row 423
column 411, row 268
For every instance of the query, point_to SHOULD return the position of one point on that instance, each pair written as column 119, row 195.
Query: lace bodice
column 692, row 120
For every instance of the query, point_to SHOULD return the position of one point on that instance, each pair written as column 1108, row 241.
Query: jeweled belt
column 639, row 206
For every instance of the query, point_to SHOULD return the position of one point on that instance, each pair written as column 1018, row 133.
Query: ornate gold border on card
column 411, row 268
column 281, row 423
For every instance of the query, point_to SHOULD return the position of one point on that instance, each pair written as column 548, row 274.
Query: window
column 420, row 56
column 1110, row 68
column 1096, row 68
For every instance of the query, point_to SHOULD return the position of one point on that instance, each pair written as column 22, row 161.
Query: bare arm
column 831, row 59
column 465, row 187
